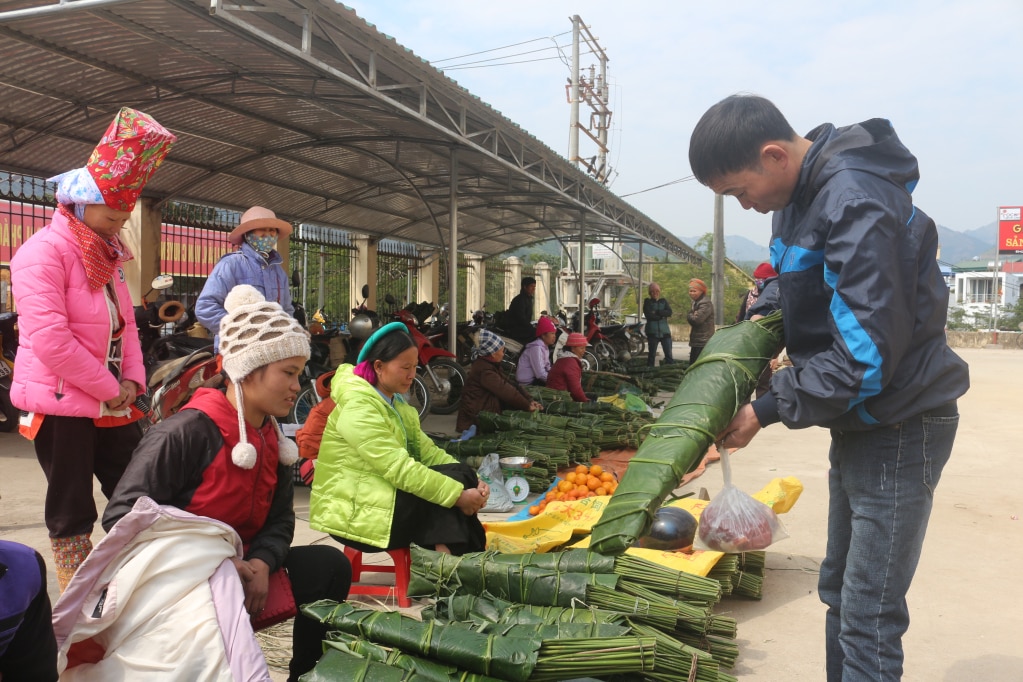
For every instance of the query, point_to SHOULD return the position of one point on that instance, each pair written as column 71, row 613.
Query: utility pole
column 719, row 260
column 594, row 91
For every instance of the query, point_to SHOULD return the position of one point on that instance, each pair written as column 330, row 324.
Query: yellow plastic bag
column 561, row 521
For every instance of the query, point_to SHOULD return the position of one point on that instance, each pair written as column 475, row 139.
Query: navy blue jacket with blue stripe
column 863, row 300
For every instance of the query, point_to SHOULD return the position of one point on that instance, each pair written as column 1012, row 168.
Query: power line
column 505, row 56
column 495, row 49
column 667, row 184
column 521, row 61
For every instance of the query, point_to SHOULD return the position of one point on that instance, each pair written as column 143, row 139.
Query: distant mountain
column 739, row 249
column 956, row 246
column 960, row 246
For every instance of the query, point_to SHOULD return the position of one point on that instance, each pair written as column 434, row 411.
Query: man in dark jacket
column 864, row 306
column 518, row 321
column 657, row 310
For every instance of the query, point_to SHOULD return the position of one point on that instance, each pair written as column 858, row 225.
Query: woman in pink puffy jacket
column 79, row 365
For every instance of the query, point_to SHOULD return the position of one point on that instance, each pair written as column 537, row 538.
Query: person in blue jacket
column 864, row 307
column 28, row 647
column 256, row 263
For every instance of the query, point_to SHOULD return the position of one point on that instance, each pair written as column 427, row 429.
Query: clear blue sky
column 949, row 75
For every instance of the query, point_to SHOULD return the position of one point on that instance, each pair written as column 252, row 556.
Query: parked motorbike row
column 8, row 348
column 178, row 362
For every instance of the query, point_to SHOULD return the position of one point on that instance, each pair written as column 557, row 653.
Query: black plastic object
column 673, row 528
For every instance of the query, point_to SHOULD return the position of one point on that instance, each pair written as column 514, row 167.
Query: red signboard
column 191, row 251
column 1010, row 231
column 18, row 222
column 185, row 251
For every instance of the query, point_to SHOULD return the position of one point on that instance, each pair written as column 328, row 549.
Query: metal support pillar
column 453, row 253
column 718, row 280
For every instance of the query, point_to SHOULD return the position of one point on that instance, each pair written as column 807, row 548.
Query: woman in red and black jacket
column 224, row 457
column 567, row 372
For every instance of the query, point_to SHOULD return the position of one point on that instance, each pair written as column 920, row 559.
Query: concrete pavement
column 966, row 603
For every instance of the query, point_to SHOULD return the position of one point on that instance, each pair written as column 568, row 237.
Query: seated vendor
column 224, row 457
column 487, row 389
column 535, row 361
column 567, row 372
column 380, row 482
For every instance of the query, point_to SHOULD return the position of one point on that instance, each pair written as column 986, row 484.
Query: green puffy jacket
column 369, row 450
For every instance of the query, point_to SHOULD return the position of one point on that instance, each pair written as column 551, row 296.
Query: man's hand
column 741, row 430
column 255, row 577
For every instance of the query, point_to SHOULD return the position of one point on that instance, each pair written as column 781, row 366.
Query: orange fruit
column 551, row 494
column 596, row 470
column 606, row 476
column 533, row 511
column 582, row 488
column 570, row 477
column 582, row 469
column 565, row 486
column 600, row 492
column 592, row 482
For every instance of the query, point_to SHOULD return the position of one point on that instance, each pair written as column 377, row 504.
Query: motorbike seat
column 612, row 329
column 173, row 368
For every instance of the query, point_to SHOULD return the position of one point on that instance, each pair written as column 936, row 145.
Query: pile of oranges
column 584, row 482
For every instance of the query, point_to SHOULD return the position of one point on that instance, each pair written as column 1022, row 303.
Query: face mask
column 261, row 244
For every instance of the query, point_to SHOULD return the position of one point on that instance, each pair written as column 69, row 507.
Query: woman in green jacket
column 380, row 482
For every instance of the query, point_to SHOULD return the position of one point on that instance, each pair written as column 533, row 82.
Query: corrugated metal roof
column 337, row 125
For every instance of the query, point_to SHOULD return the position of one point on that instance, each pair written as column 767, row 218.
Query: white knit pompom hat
column 254, row 333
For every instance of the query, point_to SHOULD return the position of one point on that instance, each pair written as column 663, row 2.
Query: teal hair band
column 379, row 334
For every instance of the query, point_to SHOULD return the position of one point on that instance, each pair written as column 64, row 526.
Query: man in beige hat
column 256, row 263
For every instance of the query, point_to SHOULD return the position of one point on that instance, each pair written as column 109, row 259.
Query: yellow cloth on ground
column 560, row 521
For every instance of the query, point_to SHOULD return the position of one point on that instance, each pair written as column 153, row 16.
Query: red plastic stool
column 401, row 569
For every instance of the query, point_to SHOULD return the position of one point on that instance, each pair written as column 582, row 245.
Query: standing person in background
column 864, row 306
column 657, row 310
column 257, row 263
column 700, row 318
column 567, row 373
column 535, row 360
column 518, row 320
column 79, row 366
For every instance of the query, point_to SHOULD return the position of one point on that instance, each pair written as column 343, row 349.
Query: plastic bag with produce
column 735, row 522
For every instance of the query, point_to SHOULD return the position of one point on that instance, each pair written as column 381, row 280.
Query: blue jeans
column 881, row 486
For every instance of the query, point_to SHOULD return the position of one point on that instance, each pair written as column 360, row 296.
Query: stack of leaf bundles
column 707, row 398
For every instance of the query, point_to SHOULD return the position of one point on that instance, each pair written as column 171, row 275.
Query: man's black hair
column 728, row 138
column 527, row 281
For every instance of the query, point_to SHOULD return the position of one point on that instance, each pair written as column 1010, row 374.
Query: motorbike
column 439, row 369
column 176, row 363
column 358, row 330
column 512, row 348
column 465, row 337
column 8, row 349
